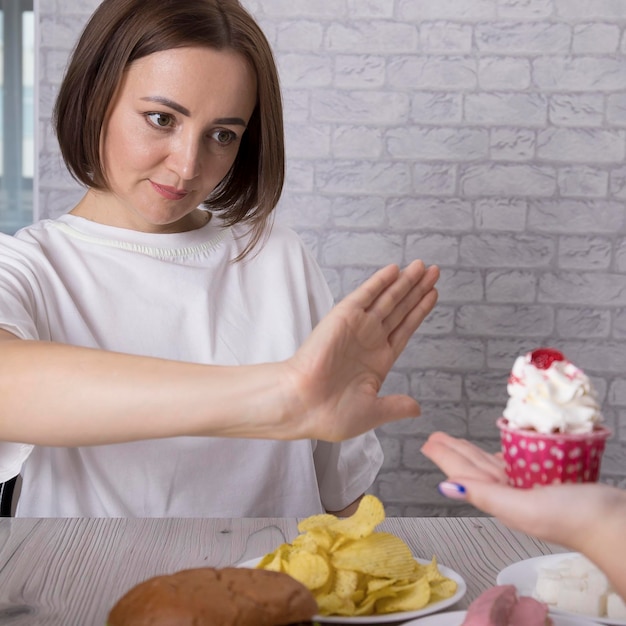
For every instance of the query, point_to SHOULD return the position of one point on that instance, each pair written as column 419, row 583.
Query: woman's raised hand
column 338, row 372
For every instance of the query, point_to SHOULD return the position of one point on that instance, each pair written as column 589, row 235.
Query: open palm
column 338, row 372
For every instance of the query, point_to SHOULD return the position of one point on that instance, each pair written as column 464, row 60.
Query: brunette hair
column 122, row 31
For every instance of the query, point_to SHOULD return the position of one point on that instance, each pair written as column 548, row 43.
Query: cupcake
column 551, row 429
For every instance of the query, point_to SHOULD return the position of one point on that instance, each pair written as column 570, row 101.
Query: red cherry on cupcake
column 542, row 358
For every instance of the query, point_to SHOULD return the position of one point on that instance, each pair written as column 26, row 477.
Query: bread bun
column 215, row 597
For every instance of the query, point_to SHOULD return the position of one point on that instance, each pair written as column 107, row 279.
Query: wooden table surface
column 69, row 572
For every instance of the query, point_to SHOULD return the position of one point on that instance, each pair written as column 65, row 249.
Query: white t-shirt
column 176, row 296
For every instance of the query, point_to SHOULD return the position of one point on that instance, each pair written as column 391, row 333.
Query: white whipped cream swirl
column 557, row 399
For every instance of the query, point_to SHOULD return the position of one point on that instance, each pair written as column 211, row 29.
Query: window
column 17, row 119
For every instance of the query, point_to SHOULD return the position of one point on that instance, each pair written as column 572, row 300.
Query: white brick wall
column 488, row 136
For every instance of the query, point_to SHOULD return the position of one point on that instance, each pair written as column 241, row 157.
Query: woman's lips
column 170, row 193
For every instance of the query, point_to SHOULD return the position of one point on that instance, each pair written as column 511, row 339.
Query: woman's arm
column 349, row 510
column 589, row 518
column 53, row 394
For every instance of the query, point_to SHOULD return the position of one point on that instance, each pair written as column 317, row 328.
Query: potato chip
column 412, row 597
column 274, row 561
column 368, row 605
column 322, row 538
column 346, row 583
column 379, row 554
column 442, row 589
column 432, row 573
column 376, row 584
column 369, row 514
column 316, row 521
column 311, row 570
column 306, row 542
column 332, row 604
column 358, row 596
column 353, row 570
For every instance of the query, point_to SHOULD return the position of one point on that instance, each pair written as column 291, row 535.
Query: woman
column 161, row 321
column 589, row 518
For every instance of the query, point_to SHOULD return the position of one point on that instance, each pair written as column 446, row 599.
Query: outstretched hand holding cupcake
column 566, row 506
column 586, row 517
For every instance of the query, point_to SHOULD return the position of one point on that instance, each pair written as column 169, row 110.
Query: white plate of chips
column 401, row 616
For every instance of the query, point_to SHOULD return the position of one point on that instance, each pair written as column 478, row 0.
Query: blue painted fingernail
column 452, row 490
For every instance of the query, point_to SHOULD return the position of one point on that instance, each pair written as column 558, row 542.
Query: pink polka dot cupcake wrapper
column 533, row 458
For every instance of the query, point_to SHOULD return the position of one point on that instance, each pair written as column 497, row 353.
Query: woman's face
column 171, row 134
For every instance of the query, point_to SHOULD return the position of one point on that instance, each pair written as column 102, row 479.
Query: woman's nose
column 185, row 158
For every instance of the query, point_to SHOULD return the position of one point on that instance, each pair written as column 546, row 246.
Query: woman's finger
column 409, row 279
column 458, row 457
column 400, row 336
column 370, row 290
column 411, row 310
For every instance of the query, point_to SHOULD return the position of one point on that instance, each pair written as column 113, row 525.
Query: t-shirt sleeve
column 18, row 286
column 346, row 470
column 12, row 457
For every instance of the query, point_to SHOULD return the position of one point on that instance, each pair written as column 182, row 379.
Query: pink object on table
column 529, row 611
column 492, row 608
column 534, row 458
column 501, row 606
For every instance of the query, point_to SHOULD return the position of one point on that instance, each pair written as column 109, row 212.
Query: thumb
column 396, row 407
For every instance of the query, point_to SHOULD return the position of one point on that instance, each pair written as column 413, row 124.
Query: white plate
column 391, row 617
column 455, row 618
column 524, row 576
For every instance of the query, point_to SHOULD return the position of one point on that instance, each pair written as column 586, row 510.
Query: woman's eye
column 160, row 120
column 223, row 136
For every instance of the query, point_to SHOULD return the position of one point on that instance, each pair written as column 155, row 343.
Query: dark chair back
column 6, row 497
